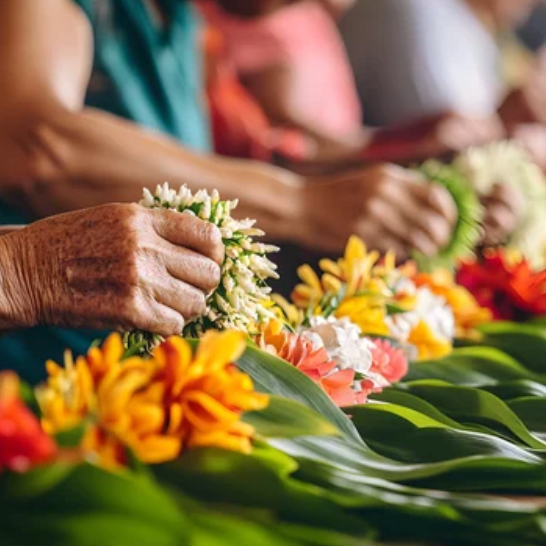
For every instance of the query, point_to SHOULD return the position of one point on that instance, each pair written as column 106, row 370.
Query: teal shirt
column 143, row 73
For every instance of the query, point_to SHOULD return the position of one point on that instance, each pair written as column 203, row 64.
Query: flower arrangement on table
column 147, row 437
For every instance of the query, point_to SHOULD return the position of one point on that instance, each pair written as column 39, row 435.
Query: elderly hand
column 503, row 207
column 387, row 206
column 115, row 266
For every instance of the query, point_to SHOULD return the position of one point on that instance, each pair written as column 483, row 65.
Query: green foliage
column 466, row 233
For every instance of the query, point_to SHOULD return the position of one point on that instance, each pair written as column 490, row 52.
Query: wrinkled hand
column 503, row 208
column 387, row 206
column 115, row 266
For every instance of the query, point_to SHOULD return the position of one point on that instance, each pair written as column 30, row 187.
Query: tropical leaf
column 471, row 366
column 470, row 406
column 284, row 418
column 275, row 376
column 524, row 342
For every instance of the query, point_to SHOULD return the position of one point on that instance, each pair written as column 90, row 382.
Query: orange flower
column 23, row 443
column 466, row 310
column 207, row 394
column 314, row 363
column 156, row 407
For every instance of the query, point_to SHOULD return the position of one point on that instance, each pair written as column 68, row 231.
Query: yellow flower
column 156, row 407
column 358, row 271
column 369, row 313
column 429, row 346
column 467, row 312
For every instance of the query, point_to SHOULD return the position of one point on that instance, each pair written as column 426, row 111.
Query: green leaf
column 466, row 233
column 524, row 342
column 85, row 506
column 471, row 406
column 470, row 366
column 532, row 411
column 275, row 376
column 284, row 418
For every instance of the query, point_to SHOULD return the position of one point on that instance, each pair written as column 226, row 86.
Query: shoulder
column 43, row 16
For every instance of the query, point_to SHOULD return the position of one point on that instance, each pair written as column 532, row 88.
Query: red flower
column 508, row 287
column 388, row 361
column 23, row 443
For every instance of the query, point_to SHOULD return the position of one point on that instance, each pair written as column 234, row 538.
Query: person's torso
column 146, row 72
column 380, row 37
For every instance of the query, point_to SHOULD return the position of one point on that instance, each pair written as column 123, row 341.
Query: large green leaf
column 471, row 406
column 532, row 411
column 274, row 376
column 470, row 366
column 284, row 418
column 404, row 435
column 331, row 497
column 86, row 506
column 525, row 342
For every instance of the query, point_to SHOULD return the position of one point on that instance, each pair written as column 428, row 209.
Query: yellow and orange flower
column 358, row 272
column 157, row 407
column 466, row 310
column 429, row 345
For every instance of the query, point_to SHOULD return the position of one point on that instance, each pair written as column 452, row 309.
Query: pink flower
column 388, row 361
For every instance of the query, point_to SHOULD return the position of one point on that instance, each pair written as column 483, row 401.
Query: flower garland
column 241, row 300
column 507, row 163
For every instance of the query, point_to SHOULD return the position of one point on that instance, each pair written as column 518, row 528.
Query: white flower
column 239, row 301
column 343, row 342
column 507, row 163
column 436, row 313
column 432, row 310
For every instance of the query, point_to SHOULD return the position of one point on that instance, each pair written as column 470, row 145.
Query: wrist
column 17, row 309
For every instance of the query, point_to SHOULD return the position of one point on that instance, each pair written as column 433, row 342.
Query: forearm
column 15, row 308
column 74, row 160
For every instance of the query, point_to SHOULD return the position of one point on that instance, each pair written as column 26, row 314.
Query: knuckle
column 195, row 303
column 211, row 274
column 210, row 236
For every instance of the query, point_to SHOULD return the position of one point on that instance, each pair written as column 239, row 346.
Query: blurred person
column 291, row 60
column 114, row 266
column 414, row 58
column 100, row 98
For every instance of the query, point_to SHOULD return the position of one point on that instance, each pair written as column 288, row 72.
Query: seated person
column 293, row 63
column 113, row 103
column 415, row 58
column 115, row 266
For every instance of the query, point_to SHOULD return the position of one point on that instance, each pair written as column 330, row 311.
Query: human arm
column 56, row 155
column 114, row 266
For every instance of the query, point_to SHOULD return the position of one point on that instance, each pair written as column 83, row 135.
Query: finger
column 507, row 196
column 493, row 236
column 439, row 199
column 430, row 222
column 186, row 300
column 162, row 320
column 376, row 239
column 143, row 312
column 188, row 231
column 500, row 217
column 402, row 227
column 189, row 266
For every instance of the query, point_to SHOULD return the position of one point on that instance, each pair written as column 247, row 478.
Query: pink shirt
column 305, row 37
